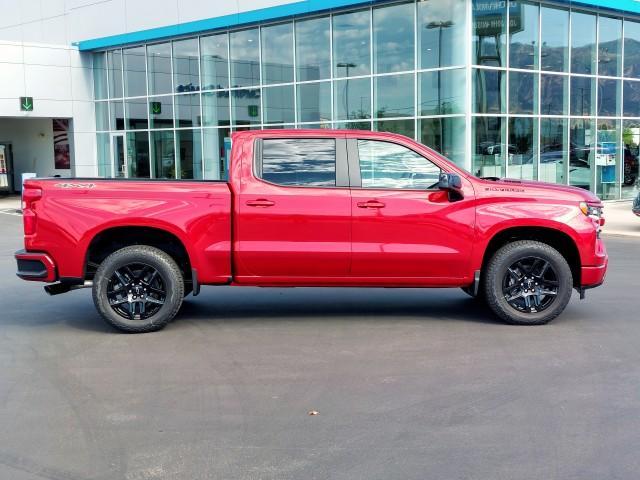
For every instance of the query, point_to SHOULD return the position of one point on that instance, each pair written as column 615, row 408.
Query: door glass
column 299, row 162
column 119, row 156
column 389, row 165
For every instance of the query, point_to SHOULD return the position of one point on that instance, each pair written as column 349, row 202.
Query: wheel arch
column 554, row 237
column 112, row 238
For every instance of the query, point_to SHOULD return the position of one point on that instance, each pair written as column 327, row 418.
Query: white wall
column 32, row 145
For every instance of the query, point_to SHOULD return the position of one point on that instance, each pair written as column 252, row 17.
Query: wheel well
column 562, row 242
column 108, row 241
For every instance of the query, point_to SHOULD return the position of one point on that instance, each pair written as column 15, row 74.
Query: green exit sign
column 26, row 104
column 156, row 108
column 253, row 110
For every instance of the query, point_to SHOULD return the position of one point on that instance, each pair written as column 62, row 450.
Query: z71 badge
column 75, row 185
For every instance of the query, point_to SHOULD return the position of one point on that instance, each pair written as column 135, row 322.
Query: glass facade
column 522, row 89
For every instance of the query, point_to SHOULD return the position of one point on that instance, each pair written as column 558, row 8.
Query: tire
column 516, row 292
column 138, row 289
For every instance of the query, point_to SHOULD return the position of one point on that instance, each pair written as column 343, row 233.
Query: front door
column 404, row 227
column 119, row 156
column 294, row 222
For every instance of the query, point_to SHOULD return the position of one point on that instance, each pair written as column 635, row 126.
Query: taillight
column 29, row 196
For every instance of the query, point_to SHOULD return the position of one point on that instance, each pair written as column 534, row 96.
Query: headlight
column 593, row 211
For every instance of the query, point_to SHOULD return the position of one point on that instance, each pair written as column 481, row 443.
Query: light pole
column 440, row 25
column 347, row 66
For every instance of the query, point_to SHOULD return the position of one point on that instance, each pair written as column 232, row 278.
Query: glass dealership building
column 524, row 89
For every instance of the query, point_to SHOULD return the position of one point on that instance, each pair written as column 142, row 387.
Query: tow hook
column 59, row 287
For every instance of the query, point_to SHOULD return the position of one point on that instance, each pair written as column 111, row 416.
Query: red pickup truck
column 314, row 208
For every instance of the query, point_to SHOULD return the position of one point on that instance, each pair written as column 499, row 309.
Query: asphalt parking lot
column 408, row 384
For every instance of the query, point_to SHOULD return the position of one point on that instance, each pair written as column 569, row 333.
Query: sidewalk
column 619, row 218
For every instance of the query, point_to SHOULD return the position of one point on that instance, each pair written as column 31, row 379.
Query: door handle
column 260, row 203
column 371, row 204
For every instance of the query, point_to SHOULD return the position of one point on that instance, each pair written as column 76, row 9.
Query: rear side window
column 306, row 162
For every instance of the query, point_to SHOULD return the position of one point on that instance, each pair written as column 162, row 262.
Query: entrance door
column 6, row 168
column 119, row 156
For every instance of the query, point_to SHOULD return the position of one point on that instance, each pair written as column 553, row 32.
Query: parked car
column 314, row 208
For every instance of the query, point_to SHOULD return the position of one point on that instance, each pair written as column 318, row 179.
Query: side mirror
column 450, row 182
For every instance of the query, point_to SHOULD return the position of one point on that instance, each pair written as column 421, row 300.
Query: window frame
column 341, row 171
column 356, row 174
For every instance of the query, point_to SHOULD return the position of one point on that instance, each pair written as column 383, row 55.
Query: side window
column 303, row 162
column 388, row 165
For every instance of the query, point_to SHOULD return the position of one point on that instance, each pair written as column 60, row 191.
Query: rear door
column 404, row 227
column 294, row 222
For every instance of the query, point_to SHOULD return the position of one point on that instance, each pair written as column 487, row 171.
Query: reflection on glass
column 214, row 61
column 583, row 94
column 216, row 150
column 610, row 47
column 489, row 33
column 278, row 104
column 608, row 105
column 245, row 58
column 186, row 66
column 304, row 162
column 99, row 76
column 393, row 38
column 631, row 97
column 442, row 92
column 631, row 49
column 352, row 125
column 116, row 109
column 553, row 94
column 555, row 39
column 445, row 135
column 488, row 91
column 138, row 150
column 581, row 138
column 607, row 158
column 352, row 99
column 114, row 65
column 554, row 150
column 401, row 127
column 488, row 139
column 104, row 155
column 215, row 108
column 189, row 153
column 187, row 110
column 134, row 72
column 159, row 68
column 277, row 53
column 136, row 113
column 163, row 153
column 313, row 52
column 523, row 150
column 583, row 43
column 523, row 35
column 631, row 169
column 389, row 165
column 351, row 44
column 441, row 33
column 161, row 112
column 394, row 96
column 314, row 102
column 245, row 106
column 522, row 92
column 102, row 116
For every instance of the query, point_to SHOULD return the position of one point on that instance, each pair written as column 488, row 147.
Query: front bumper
column 35, row 266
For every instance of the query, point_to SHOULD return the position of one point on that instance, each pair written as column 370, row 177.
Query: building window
column 159, row 68
column 554, row 32
column 393, row 38
column 489, row 33
column 351, row 44
column 583, row 43
column 523, row 35
column 277, row 53
column 245, row 58
column 313, row 49
column 441, row 33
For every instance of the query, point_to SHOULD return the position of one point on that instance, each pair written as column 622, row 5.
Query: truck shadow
column 273, row 304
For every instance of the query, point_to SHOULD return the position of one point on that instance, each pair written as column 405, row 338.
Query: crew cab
column 326, row 208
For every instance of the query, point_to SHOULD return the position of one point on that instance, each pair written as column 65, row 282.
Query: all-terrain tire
column 497, row 268
column 168, row 272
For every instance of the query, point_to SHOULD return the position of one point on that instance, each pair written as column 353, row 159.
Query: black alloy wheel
column 136, row 291
column 530, row 285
